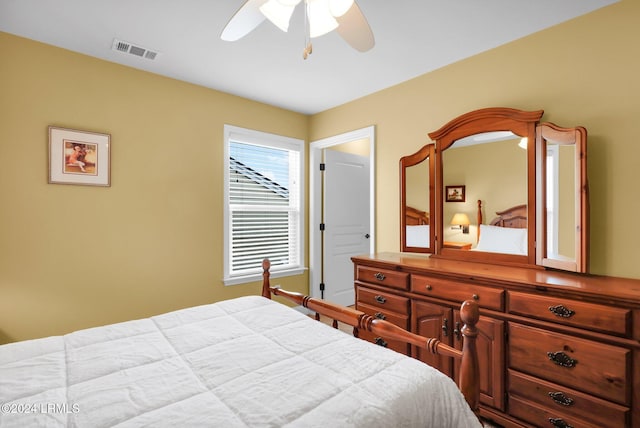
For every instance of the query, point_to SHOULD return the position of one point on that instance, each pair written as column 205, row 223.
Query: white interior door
column 347, row 228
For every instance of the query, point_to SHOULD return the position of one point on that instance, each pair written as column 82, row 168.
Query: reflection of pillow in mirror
column 417, row 236
column 506, row 240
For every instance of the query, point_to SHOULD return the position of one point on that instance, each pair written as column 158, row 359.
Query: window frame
column 243, row 135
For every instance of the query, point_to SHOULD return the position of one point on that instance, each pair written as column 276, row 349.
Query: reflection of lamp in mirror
column 462, row 221
column 524, row 142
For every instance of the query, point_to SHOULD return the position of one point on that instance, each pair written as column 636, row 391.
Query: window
column 263, row 204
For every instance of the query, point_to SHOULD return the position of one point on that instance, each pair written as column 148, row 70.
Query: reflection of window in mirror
column 492, row 171
column 561, row 210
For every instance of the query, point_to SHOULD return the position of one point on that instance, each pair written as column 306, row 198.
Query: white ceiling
column 413, row 37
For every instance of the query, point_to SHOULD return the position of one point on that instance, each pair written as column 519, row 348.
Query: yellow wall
column 74, row 256
column 78, row 256
column 583, row 72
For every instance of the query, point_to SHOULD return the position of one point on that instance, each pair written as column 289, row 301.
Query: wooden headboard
column 416, row 217
column 514, row 217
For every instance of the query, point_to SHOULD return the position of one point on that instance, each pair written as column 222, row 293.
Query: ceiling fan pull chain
column 308, row 48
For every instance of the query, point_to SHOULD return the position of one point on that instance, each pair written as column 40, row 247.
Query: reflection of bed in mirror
column 507, row 233
column 417, row 228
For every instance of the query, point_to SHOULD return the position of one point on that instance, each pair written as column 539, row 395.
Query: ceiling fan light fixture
column 292, row 3
column 321, row 21
column 339, row 7
column 278, row 13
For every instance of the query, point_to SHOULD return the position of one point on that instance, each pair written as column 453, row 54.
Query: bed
column 416, row 228
column 245, row 362
column 506, row 233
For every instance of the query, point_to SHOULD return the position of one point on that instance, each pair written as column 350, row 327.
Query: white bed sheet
column 246, row 362
column 417, row 236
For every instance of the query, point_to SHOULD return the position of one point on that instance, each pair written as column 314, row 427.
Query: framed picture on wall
column 454, row 193
column 79, row 157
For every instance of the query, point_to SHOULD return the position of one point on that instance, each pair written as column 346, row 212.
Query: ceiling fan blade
column 354, row 29
column 245, row 20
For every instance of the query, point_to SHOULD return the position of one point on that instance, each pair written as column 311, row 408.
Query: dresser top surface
column 626, row 289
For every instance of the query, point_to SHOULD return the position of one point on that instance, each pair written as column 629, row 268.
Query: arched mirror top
column 489, row 155
column 486, row 120
column 417, row 201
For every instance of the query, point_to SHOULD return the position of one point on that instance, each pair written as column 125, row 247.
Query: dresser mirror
column 563, row 204
column 417, row 201
column 493, row 165
column 519, row 186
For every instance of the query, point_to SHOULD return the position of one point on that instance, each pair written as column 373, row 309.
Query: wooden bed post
column 469, row 367
column 266, row 288
column 479, row 219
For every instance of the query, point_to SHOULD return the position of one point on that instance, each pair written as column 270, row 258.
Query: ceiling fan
column 321, row 17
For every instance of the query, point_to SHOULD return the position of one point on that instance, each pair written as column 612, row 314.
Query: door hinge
column 321, row 226
column 322, row 290
column 322, row 167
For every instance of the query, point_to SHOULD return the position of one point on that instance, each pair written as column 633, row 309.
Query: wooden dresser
column 556, row 348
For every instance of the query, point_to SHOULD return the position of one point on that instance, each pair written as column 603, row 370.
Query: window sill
column 258, row 276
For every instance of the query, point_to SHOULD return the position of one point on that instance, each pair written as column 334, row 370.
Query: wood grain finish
column 415, row 217
column 564, row 402
column 384, row 277
column 595, row 368
column 383, row 300
column 401, row 320
column 572, row 312
column 594, row 328
column 486, row 297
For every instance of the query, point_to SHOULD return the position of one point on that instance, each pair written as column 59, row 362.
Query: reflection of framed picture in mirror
column 454, row 193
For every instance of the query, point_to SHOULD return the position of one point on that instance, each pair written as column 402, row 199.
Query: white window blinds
column 263, row 202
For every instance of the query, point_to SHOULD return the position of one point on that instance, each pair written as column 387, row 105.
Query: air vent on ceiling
column 130, row 48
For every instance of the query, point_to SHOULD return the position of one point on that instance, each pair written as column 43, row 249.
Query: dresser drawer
column 566, row 402
column 388, row 278
column 585, row 365
column 382, row 300
column 487, row 297
column 575, row 313
column 383, row 314
column 540, row 416
column 401, row 347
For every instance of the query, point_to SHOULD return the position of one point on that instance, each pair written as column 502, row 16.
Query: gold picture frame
column 79, row 157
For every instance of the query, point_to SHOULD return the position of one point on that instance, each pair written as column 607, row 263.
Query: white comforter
column 238, row 363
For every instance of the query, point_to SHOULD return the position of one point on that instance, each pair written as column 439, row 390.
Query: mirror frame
column 566, row 136
column 521, row 123
column 426, row 153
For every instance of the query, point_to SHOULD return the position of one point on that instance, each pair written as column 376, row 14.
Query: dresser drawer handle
column 560, row 423
column 456, row 331
column 380, row 341
column 380, row 316
column 561, row 311
column 560, row 398
column 380, row 299
column 475, row 297
column 562, row 359
column 379, row 276
column 428, row 287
